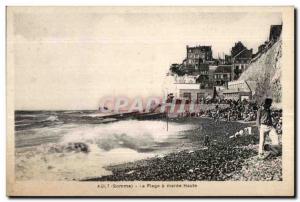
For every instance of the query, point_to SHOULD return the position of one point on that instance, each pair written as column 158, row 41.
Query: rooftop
column 199, row 47
column 223, row 69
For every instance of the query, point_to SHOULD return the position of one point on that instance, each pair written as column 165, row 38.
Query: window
column 200, row 95
column 187, row 95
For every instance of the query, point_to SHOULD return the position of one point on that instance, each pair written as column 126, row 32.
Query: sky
column 71, row 58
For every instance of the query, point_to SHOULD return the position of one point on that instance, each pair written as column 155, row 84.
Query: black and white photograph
column 159, row 101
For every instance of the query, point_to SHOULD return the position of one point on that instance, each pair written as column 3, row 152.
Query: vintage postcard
column 150, row 101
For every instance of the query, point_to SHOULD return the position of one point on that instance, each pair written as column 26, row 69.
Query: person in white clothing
column 265, row 126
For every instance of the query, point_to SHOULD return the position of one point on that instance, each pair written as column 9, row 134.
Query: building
column 240, row 60
column 222, row 75
column 197, row 55
column 228, row 59
column 262, row 47
column 203, row 76
column 185, row 79
column 239, row 90
column 185, row 87
column 211, row 71
column 193, row 92
column 275, row 32
column 237, row 48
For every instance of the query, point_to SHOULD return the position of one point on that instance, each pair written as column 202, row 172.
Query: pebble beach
column 224, row 159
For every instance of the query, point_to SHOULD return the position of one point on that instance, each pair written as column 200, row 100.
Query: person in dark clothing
column 206, row 140
column 217, row 115
column 265, row 126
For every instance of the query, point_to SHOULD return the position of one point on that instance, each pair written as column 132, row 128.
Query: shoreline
column 225, row 158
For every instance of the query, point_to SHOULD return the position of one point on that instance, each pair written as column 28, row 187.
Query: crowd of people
column 236, row 110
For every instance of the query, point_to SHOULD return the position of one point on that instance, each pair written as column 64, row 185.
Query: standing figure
column 217, row 115
column 228, row 115
column 206, row 140
column 265, row 126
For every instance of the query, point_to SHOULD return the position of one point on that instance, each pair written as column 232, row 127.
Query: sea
column 78, row 145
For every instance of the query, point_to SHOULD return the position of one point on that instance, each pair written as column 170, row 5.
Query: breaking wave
column 128, row 134
column 72, row 152
column 52, row 118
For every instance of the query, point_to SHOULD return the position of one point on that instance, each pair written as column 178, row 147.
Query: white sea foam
column 52, row 118
column 108, row 144
column 132, row 134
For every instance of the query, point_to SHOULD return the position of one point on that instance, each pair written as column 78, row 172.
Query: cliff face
column 265, row 71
